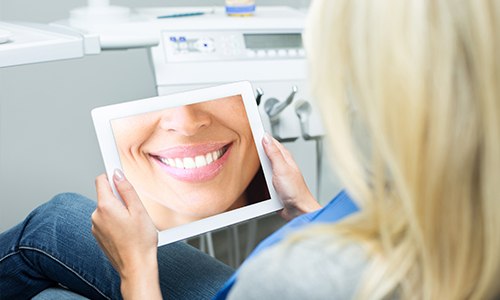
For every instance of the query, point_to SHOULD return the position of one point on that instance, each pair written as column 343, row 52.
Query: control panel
column 228, row 45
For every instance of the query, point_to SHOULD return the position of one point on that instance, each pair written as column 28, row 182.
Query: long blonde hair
column 422, row 78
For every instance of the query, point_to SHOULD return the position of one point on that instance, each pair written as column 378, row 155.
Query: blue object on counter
column 181, row 15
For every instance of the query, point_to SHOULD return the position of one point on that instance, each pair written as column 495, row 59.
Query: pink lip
column 205, row 173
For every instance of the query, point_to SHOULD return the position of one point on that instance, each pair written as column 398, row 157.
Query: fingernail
column 118, row 175
column 267, row 138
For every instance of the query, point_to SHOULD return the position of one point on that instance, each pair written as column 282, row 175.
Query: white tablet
column 195, row 158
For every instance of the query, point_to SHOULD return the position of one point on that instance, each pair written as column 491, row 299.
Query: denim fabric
column 59, row 294
column 54, row 246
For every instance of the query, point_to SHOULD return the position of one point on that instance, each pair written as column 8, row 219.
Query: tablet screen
column 192, row 157
column 191, row 161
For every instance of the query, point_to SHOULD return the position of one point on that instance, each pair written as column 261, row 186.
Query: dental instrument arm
column 258, row 98
column 273, row 108
column 303, row 109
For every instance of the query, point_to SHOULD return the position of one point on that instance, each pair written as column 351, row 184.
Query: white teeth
column 178, row 163
column 188, row 163
column 200, row 161
column 208, row 158
column 193, row 162
column 216, row 155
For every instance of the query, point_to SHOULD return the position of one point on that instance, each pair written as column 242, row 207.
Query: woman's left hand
column 127, row 235
column 288, row 181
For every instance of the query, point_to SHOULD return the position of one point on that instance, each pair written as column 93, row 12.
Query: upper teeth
column 193, row 162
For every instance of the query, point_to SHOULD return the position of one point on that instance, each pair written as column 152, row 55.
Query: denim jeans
column 54, row 246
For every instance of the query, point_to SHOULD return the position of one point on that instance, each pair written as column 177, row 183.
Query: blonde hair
column 422, row 77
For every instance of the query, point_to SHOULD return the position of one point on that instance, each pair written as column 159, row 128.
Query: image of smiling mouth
column 195, row 163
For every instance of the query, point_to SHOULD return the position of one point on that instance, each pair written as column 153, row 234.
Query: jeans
column 54, row 247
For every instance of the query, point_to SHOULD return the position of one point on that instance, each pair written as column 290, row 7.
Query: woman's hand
column 288, row 181
column 127, row 235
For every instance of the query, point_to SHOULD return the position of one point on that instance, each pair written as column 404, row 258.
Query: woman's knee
column 65, row 205
column 64, row 215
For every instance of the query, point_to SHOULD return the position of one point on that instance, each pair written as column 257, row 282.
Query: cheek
column 131, row 138
column 249, row 151
column 250, row 160
column 254, row 161
column 133, row 129
column 239, row 124
column 128, row 148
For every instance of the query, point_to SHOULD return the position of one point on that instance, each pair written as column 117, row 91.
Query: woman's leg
column 55, row 246
column 188, row 273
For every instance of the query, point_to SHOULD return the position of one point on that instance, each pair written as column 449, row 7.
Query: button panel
column 219, row 45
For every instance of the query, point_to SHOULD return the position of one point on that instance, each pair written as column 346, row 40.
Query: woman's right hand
column 288, row 181
column 128, row 237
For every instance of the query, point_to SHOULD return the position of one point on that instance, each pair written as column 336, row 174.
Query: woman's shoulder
column 317, row 267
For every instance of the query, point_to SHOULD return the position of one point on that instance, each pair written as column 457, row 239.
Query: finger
column 93, row 218
column 127, row 191
column 104, row 193
column 284, row 151
column 278, row 162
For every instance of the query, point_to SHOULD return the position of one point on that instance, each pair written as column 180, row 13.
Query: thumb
column 278, row 162
column 126, row 191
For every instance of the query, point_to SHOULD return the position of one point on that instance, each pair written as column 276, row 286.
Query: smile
column 196, row 163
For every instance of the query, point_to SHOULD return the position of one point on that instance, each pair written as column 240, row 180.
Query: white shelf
column 34, row 43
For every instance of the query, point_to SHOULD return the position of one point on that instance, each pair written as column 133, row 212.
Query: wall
column 47, row 141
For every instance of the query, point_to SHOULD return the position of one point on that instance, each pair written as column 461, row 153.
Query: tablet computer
column 195, row 158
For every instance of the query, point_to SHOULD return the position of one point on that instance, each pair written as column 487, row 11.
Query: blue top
column 340, row 206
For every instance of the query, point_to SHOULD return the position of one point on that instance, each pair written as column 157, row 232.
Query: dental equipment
column 273, row 107
column 260, row 93
column 303, row 109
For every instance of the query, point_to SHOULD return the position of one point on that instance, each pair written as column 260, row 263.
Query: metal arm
column 260, row 92
column 303, row 110
column 273, row 107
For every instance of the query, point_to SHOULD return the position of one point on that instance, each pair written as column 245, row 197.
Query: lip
column 193, row 175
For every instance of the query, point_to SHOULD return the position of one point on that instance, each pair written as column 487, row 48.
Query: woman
column 420, row 80
column 180, row 160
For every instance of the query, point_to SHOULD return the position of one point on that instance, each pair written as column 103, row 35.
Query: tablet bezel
column 103, row 116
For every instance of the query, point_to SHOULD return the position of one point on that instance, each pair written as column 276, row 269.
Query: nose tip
column 185, row 120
